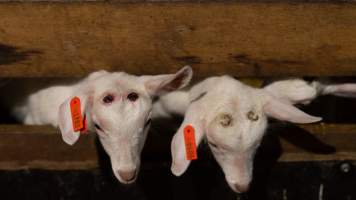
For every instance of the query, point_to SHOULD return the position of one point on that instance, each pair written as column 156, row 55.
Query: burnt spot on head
column 251, row 115
column 225, row 119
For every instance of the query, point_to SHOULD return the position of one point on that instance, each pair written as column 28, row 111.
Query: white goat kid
column 117, row 105
column 233, row 117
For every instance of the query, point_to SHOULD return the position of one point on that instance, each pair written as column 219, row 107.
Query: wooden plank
column 190, row 1
column 41, row 147
column 243, row 39
column 319, row 142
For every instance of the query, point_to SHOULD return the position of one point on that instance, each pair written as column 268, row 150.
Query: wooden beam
column 318, row 142
column 41, row 147
column 239, row 38
column 189, row 1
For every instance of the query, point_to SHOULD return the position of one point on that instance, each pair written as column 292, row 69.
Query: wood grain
column 41, row 147
column 319, row 142
column 41, row 39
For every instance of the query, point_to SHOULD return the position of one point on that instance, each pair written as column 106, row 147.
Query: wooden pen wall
column 255, row 40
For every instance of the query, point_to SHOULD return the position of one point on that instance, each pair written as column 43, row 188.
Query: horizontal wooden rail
column 184, row 1
column 41, row 147
column 23, row 147
column 319, row 142
column 239, row 38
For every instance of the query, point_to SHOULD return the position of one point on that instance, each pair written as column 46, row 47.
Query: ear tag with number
column 79, row 122
column 84, row 130
column 190, row 145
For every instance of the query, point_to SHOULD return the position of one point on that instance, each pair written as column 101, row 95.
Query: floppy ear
column 65, row 120
column 294, row 91
column 178, row 150
column 286, row 112
column 342, row 90
column 161, row 84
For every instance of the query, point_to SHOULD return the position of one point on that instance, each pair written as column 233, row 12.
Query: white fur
column 237, row 142
column 293, row 91
column 123, row 122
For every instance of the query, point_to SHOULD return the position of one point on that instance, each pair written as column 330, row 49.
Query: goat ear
column 161, row 84
column 342, row 90
column 284, row 111
column 65, row 120
column 294, row 91
column 178, row 149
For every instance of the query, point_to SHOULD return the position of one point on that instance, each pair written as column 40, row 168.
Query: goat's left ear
column 65, row 119
column 284, row 111
column 161, row 84
column 342, row 90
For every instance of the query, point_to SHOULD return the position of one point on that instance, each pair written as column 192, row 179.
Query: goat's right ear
column 65, row 120
column 285, row 111
column 161, row 84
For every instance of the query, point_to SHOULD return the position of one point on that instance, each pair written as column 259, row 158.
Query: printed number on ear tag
column 84, row 130
column 79, row 123
column 190, row 145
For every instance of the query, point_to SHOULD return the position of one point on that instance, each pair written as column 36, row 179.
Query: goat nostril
column 241, row 188
column 127, row 175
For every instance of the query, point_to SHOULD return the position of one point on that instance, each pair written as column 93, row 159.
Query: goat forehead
column 130, row 82
column 228, row 108
column 118, row 80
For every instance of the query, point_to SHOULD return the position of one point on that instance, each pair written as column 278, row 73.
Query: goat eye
column 108, row 98
column 133, row 96
column 252, row 116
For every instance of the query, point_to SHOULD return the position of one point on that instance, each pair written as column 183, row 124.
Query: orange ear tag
column 190, row 145
column 79, row 123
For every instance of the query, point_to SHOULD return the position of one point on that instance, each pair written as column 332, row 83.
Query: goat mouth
column 132, row 180
column 240, row 189
column 127, row 182
column 126, row 179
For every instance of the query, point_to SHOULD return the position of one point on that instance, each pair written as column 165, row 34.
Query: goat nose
column 127, row 175
column 241, row 188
